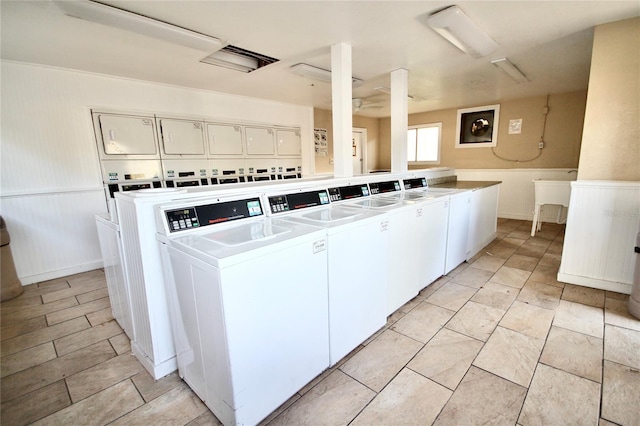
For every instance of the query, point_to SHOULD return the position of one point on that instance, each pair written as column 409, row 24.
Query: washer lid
column 246, row 233
column 328, row 215
column 377, row 203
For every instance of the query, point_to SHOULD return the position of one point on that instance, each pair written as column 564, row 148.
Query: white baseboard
column 51, row 275
column 595, row 283
column 156, row 371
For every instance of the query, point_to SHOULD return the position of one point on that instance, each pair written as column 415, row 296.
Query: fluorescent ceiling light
column 231, row 61
column 511, row 70
column 306, row 70
column 119, row 18
column 452, row 24
column 387, row 90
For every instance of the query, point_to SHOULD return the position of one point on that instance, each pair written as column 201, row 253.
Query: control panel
column 415, row 183
column 212, row 214
column 348, row 192
column 383, row 187
column 298, row 200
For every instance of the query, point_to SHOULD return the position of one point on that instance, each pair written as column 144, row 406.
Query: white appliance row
column 132, row 235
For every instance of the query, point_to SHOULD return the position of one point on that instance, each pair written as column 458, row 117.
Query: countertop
column 466, row 184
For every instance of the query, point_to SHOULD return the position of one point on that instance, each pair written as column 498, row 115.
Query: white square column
column 341, row 89
column 399, row 120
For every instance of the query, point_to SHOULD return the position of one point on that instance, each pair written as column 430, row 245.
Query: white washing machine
column 405, row 244
column 432, row 216
column 358, row 251
column 248, row 303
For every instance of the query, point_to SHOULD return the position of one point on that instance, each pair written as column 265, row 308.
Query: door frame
column 363, row 131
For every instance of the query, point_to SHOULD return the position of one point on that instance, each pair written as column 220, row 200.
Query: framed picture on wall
column 477, row 127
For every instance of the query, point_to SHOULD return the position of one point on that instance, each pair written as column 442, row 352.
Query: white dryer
column 358, row 251
column 248, row 303
column 403, row 279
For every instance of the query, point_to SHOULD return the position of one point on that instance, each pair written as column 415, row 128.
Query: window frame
column 423, row 126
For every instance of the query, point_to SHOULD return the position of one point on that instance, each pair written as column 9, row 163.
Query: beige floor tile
column 25, row 341
column 550, row 259
column 531, row 251
column 575, row 353
column 84, row 338
column 510, row 355
column 483, row 399
column 581, row 318
column 288, row 403
column 82, row 279
column 98, row 409
column 178, row 406
column 475, row 320
column 397, row 403
column 410, row 305
column 70, row 292
column 22, row 327
column 585, row 295
column 519, row 235
column 557, row 397
column 44, row 374
column 21, row 301
column 446, row 358
column 35, row 405
column 150, row 388
column 45, row 287
column 615, row 295
column 488, row 263
column 502, row 251
column 205, row 419
column 19, row 361
column 9, row 317
column 121, row 344
column 458, row 269
column 622, row 345
column 77, row 311
column 95, row 379
column 100, row 317
column 514, row 242
column 540, row 294
column 539, row 241
column 93, row 295
column 496, row 295
column 530, row 320
column 512, row 277
column 334, row 401
column 433, row 287
column 546, row 275
column 603, row 422
column 616, row 312
column 376, row 364
column 423, row 322
column 519, row 261
column 451, row 296
column 620, row 394
column 473, row 277
column 555, row 248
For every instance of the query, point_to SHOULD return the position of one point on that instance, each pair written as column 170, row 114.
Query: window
column 423, row 143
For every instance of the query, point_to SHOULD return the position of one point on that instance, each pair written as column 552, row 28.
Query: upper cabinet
column 288, row 141
column 181, row 137
column 125, row 136
column 224, row 139
column 260, row 141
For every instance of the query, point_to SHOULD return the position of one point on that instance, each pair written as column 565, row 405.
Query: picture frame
column 478, row 127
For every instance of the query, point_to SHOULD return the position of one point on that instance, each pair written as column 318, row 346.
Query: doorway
column 358, row 151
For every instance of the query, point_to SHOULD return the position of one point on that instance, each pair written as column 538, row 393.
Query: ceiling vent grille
column 238, row 59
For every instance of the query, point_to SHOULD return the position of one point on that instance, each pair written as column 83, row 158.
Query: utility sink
column 549, row 192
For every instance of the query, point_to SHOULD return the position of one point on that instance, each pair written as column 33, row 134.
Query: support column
column 399, row 120
column 341, row 109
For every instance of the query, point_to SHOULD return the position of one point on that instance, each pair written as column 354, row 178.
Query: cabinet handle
column 112, row 135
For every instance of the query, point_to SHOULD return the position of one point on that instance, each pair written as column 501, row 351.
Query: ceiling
column 550, row 41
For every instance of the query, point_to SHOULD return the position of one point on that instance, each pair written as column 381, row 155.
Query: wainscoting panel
column 604, row 219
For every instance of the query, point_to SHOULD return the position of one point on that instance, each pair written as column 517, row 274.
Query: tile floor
column 497, row 341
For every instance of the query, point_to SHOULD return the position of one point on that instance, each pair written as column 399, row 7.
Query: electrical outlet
column 540, row 145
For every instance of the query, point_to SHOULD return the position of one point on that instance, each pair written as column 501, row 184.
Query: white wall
column 51, row 185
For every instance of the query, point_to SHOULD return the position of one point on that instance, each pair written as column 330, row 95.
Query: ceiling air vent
column 238, row 59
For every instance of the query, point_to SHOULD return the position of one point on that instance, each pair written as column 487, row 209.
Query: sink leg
column 536, row 215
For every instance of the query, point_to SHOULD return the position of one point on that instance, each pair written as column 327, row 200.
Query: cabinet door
column 224, row 139
column 260, row 140
column 182, row 137
column 288, row 141
column 483, row 219
column 458, row 230
column 126, row 135
column 436, row 217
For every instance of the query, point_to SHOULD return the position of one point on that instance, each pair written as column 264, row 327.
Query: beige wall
column 323, row 120
column 562, row 136
column 611, row 141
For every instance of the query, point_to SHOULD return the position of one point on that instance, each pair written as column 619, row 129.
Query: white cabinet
column 181, row 137
column 125, row 136
column 457, row 230
column 483, row 219
column 224, row 139
column 435, row 215
column 260, row 140
column 288, row 141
